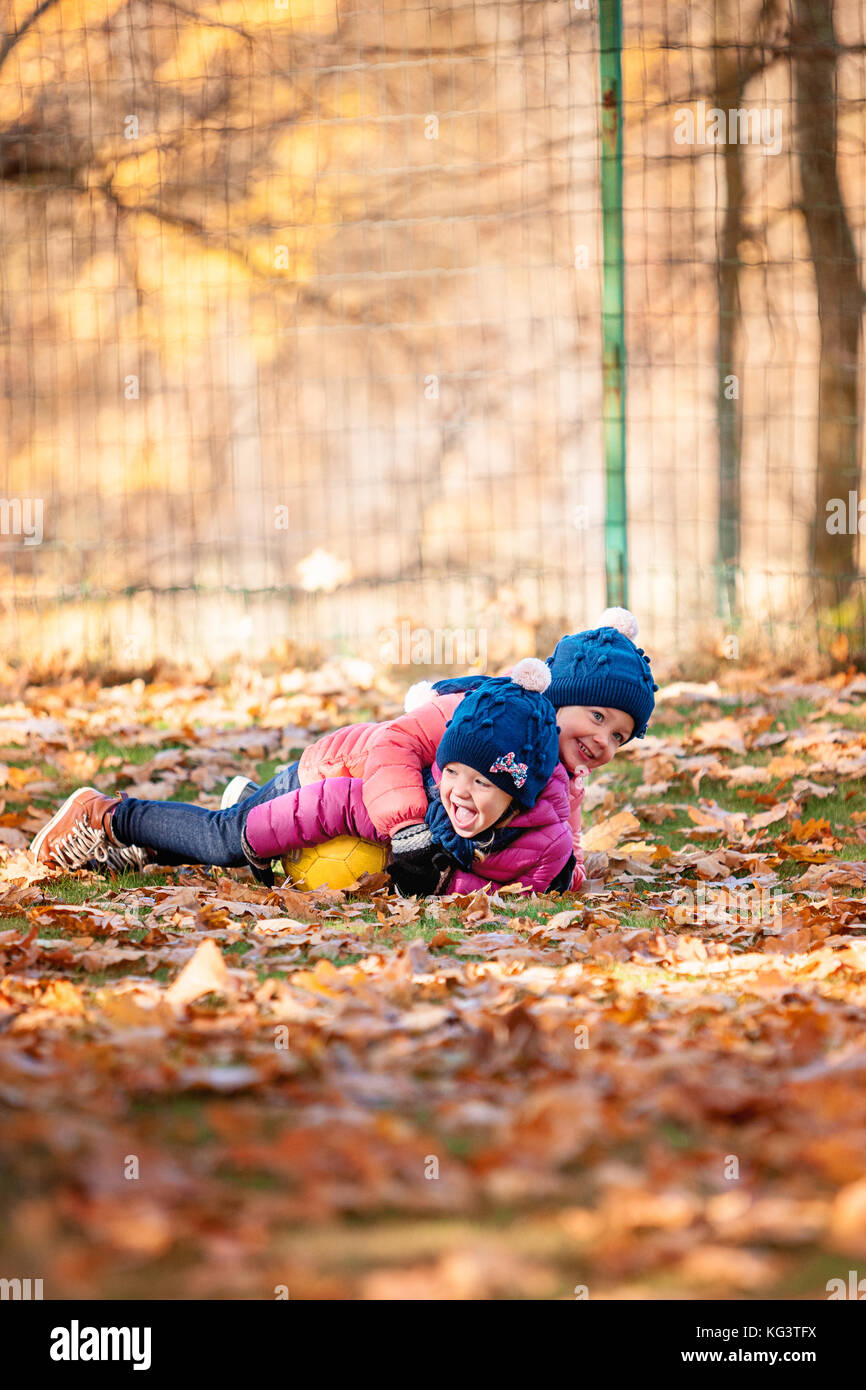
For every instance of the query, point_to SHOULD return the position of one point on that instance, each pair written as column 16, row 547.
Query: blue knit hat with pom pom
column 604, row 667
column 506, row 729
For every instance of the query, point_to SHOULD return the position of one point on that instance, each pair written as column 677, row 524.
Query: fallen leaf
column 609, row 832
column 205, row 973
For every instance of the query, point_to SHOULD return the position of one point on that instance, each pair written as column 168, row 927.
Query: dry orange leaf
column 205, row 973
column 20, row 776
column 608, row 833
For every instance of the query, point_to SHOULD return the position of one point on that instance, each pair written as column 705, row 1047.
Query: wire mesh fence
column 306, row 334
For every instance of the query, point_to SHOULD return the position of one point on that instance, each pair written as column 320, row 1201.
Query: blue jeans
column 179, row 833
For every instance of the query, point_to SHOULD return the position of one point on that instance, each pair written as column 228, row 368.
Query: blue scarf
column 457, row 847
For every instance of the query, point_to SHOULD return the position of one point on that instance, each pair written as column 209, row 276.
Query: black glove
column 421, row 879
column 261, row 868
column 562, row 882
column 411, row 844
column 418, row 866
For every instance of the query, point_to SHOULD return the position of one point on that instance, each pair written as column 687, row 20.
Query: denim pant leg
column 179, row 833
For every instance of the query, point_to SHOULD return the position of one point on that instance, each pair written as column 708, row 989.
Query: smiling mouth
column 463, row 816
column 584, row 751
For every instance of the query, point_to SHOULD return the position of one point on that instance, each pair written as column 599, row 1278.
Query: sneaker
column 238, row 789
column 77, row 835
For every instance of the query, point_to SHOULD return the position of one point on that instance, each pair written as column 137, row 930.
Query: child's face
column 591, row 734
column 473, row 804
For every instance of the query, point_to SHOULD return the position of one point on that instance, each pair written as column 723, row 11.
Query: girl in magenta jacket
column 497, row 798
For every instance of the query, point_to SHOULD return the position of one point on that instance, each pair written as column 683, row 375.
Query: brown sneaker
column 79, row 833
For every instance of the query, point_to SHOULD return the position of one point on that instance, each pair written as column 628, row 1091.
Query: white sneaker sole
column 234, row 791
column 39, row 840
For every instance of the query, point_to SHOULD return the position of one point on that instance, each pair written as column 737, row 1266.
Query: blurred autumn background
column 301, row 325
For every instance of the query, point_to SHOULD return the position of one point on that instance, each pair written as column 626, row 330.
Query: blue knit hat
column 604, row 667
column 506, row 729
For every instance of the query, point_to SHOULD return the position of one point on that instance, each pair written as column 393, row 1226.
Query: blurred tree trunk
column 730, row 77
column 734, row 66
column 837, row 280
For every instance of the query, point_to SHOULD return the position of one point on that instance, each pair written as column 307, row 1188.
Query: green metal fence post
column 613, row 304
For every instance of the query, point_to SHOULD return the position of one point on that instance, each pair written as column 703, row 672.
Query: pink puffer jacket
column 335, row 806
column 390, row 758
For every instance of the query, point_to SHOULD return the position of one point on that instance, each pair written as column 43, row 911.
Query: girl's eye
column 598, row 713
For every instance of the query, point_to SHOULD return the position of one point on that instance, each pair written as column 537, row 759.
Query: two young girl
column 495, row 802
column 470, row 787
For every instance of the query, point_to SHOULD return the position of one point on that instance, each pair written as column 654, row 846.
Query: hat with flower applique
column 506, row 729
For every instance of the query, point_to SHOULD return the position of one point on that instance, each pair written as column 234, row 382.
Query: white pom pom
column 620, row 618
column 418, row 695
column 531, row 673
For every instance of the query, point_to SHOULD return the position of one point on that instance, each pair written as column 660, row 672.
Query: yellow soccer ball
column 335, row 863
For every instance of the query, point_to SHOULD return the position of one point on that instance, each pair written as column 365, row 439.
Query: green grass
column 793, row 714
column 105, row 748
column 71, row 889
column 425, row 928
column 642, row 921
column 181, row 1115
column 259, row 1179
column 837, row 809
column 7, row 923
column 267, row 768
column 461, row 1145
column 277, row 972
column 234, row 948
column 184, row 791
column 676, row 1136
column 624, row 775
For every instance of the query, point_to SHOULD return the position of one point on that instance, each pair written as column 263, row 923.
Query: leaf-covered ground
column 654, row 1089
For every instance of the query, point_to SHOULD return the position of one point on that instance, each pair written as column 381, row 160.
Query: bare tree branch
column 11, row 39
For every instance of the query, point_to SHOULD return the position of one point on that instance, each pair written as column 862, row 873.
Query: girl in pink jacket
column 496, row 800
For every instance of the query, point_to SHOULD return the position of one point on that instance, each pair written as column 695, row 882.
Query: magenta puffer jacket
column 322, row 810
